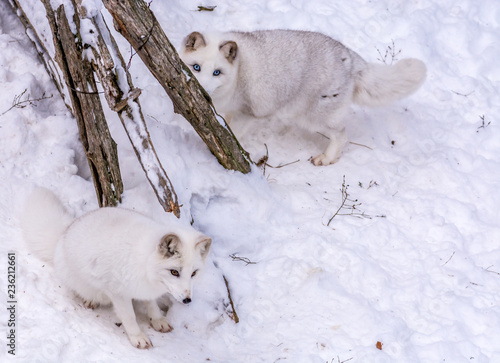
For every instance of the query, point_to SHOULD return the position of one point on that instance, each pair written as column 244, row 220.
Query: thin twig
column 494, row 272
column 263, row 161
column 483, row 124
column 463, row 94
column 354, row 211
column 243, row 259
column 453, row 254
column 391, row 50
column 355, row 143
column 344, row 199
column 234, row 315
column 206, row 8
column 283, row 165
column 150, row 32
column 338, row 360
column 17, row 103
column 132, row 54
column 350, row 142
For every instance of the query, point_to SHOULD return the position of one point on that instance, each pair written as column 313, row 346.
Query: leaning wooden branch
column 123, row 98
column 99, row 147
column 136, row 22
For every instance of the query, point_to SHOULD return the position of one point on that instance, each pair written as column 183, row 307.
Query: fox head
column 179, row 258
column 212, row 60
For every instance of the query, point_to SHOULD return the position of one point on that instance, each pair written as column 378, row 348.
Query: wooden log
column 137, row 23
column 98, row 144
column 122, row 97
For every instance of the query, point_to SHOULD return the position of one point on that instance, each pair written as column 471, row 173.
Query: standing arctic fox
column 295, row 75
column 114, row 255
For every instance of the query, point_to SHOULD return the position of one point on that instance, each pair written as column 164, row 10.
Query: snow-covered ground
column 419, row 273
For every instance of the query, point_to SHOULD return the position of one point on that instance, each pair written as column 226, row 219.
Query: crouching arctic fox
column 295, row 75
column 114, row 255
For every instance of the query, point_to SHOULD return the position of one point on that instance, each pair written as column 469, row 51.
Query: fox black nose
column 186, row 300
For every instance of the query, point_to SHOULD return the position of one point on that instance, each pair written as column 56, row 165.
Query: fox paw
column 90, row 304
column 324, row 159
column 161, row 325
column 140, row 341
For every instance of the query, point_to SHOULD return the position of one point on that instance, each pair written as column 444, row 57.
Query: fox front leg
column 125, row 312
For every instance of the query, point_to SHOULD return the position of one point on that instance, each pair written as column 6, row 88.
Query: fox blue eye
column 197, row 67
column 216, row 72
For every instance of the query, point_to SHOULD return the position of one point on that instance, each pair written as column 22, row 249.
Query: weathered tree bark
column 99, row 147
column 123, row 98
column 137, row 23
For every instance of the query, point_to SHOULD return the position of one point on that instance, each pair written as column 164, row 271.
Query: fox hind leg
column 330, row 120
column 92, row 297
column 97, row 300
column 334, row 149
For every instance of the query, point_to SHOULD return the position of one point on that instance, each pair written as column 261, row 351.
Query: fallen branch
column 483, row 123
column 453, row 254
column 350, row 142
column 390, row 51
column 233, row 315
column 100, row 148
column 355, row 143
column 242, row 259
column 206, row 8
column 353, row 207
column 344, row 200
column 19, row 103
column 263, row 162
column 123, row 98
column 463, row 94
column 493, row 272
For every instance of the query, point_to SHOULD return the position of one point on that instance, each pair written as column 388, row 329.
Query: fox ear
column 194, row 41
column 169, row 245
column 230, row 50
column 203, row 245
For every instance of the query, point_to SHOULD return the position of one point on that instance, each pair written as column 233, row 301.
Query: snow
column 421, row 275
column 188, row 77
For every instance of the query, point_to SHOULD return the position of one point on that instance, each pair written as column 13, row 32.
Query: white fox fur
column 115, row 255
column 381, row 84
column 302, row 76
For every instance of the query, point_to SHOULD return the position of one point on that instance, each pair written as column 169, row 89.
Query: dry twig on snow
column 18, row 102
column 352, row 207
column 233, row 315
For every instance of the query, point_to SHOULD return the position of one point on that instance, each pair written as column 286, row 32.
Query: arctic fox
column 294, row 75
column 115, row 255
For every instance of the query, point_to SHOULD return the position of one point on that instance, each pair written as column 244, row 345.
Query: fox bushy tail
column 380, row 84
column 43, row 222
